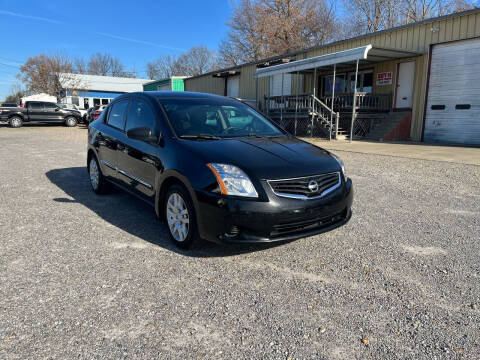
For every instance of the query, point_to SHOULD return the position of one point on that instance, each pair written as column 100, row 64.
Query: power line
column 13, row 66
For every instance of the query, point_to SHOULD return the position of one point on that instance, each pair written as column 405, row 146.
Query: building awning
column 364, row 54
column 225, row 74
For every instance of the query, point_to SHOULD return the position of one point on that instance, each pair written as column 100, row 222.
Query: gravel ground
column 84, row 276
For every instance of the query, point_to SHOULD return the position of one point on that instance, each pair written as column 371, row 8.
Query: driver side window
column 140, row 115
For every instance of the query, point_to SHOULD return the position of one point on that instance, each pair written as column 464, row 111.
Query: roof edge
column 337, row 42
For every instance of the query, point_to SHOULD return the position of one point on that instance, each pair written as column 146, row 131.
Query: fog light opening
column 234, row 231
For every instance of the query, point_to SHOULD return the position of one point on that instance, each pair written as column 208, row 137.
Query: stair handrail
column 330, row 112
column 322, row 103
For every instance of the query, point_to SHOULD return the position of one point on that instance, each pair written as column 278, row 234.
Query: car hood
column 266, row 158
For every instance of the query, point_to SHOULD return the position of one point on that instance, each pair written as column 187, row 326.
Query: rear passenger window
column 140, row 115
column 116, row 116
column 35, row 106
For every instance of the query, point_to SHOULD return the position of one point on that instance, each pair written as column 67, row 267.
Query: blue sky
column 135, row 31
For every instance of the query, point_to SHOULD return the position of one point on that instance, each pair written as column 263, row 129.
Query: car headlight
column 342, row 165
column 232, row 180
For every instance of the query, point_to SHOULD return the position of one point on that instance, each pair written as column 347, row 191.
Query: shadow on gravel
column 133, row 215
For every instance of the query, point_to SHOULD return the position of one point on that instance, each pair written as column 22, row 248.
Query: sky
column 135, row 31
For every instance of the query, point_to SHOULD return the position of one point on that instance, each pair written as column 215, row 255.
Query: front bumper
column 228, row 220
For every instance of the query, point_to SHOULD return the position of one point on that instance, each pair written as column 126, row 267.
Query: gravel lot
column 83, row 276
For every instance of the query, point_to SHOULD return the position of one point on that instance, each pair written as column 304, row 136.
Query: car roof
column 174, row 95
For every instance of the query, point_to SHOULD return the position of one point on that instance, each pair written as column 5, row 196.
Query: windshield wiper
column 200, row 137
column 263, row 136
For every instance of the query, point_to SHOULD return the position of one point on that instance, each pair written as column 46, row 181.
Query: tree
column 196, row 61
column 162, row 68
column 264, row 28
column 105, row 64
column 367, row 16
column 79, row 66
column 373, row 15
column 16, row 93
column 48, row 74
column 417, row 10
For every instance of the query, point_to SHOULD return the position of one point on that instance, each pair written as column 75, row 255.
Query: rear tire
column 180, row 217
column 71, row 121
column 98, row 182
column 16, row 122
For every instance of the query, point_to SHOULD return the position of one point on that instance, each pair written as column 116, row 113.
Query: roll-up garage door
column 453, row 104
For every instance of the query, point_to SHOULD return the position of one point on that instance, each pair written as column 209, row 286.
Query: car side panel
column 138, row 164
column 104, row 140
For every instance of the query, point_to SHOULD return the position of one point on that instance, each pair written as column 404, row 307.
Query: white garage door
column 165, row 87
column 453, row 105
column 233, row 86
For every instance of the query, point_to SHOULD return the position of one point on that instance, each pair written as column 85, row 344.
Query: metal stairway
column 306, row 116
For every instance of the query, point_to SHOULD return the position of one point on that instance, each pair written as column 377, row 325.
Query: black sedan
column 216, row 169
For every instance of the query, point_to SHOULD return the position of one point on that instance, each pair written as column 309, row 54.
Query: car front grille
column 309, row 187
column 301, row 226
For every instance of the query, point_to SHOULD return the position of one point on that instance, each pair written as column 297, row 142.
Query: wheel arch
column 168, row 179
column 20, row 115
column 90, row 154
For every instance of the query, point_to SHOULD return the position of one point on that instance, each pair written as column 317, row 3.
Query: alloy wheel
column 94, row 174
column 71, row 122
column 178, row 217
column 16, row 122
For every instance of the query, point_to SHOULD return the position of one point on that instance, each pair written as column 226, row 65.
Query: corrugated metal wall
column 415, row 38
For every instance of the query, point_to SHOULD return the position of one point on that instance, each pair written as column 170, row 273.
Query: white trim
column 345, row 56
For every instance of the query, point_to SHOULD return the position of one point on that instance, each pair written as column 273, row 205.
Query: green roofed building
column 175, row 83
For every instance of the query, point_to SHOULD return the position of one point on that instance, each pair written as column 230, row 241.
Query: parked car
column 94, row 112
column 38, row 111
column 83, row 113
column 9, row 105
column 216, row 169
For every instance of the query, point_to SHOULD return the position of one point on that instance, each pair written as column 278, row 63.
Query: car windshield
column 216, row 118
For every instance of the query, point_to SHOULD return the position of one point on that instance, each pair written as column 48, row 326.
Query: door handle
column 405, row 98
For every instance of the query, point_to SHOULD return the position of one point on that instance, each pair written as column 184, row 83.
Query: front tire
column 180, row 217
column 16, row 122
column 98, row 182
column 71, row 121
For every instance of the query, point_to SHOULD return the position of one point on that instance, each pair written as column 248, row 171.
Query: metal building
column 86, row 91
column 417, row 81
column 175, row 83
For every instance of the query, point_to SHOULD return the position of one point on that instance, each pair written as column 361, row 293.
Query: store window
column 345, row 83
column 340, row 84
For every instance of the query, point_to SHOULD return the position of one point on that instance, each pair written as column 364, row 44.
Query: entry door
column 233, row 86
column 406, row 73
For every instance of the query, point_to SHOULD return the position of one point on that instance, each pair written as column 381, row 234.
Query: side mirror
column 57, row 109
column 142, row 134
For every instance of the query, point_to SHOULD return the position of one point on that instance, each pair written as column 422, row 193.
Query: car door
column 52, row 112
column 138, row 161
column 108, row 138
column 35, row 110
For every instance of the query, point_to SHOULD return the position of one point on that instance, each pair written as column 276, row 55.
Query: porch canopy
column 341, row 59
column 347, row 58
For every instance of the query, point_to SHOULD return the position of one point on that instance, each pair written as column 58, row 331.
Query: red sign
column 384, row 78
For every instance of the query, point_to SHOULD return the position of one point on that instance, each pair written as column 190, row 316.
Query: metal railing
column 370, row 102
column 303, row 115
